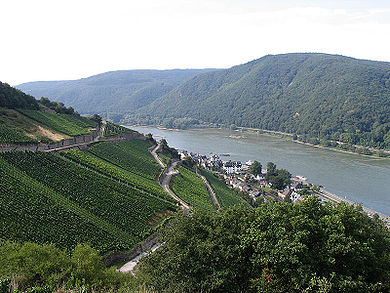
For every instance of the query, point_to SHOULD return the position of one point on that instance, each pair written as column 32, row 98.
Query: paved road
column 167, row 176
column 333, row 197
column 129, row 266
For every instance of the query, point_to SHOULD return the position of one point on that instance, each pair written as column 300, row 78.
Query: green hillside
column 26, row 120
column 127, row 175
column 111, row 93
column 32, row 211
column 226, row 197
column 12, row 98
column 322, row 96
column 191, row 189
column 129, row 155
column 67, row 124
column 106, row 204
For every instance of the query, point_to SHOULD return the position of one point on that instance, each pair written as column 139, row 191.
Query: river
column 360, row 179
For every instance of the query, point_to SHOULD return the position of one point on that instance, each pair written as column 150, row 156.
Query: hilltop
column 321, row 96
column 111, row 93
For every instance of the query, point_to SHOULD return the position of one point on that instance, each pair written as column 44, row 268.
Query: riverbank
column 335, row 198
column 286, row 136
column 289, row 137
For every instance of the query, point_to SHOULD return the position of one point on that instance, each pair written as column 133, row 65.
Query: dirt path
column 167, row 176
column 129, row 266
column 214, row 198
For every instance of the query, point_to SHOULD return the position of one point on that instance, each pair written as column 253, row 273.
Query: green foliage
column 226, row 196
column 58, row 107
column 122, row 211
column 68, row 124
column 114, row 93
column 191, row 189
column 131, row 155
column 202, row 253
column 279, row 178
column 45, row 268
column 318, row 95
column 114, row 129
column 279, row 247
column 104, row 167
column 8, row 135
column 31, row 211
column 255, row 168
column 170, row 152
column 12, row 98
column 4, row 285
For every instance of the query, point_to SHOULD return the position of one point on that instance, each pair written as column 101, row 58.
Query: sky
column 57, row 39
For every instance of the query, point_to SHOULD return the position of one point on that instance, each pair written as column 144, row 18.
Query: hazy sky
column 55, row 39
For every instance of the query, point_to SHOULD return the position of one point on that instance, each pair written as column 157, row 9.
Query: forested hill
column 322, row 96
column 12, row 98
column 111, row 92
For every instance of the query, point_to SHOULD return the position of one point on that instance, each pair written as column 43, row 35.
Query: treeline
column 12, row 98
column 325, row 97
column 57, row 107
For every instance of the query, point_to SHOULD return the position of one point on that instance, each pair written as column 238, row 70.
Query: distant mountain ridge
column 320, row 97
column 325, row 97
column 113, row 92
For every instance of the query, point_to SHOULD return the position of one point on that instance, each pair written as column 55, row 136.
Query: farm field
column 131, row 155
column 68, row 124
column 226, row 197
column 141, row 182
column 114, row 129
column 8, row 135
column 125, row 211
column 31, row 211
column 191, row 189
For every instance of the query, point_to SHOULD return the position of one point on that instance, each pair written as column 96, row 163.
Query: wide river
column 361, row 179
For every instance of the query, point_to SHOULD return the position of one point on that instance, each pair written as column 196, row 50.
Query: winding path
column 214, row 198
column 129, row 266
column 167, row 176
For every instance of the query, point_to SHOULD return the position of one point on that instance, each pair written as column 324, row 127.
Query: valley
column 357, row 178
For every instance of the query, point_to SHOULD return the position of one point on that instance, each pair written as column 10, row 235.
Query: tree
column 271, row 167
column 279, row 247
column 96, row 118
column 255, row 168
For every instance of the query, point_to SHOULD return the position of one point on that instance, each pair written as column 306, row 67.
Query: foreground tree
column 279, row 247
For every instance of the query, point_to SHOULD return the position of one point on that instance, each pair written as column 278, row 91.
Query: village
column 255, row 188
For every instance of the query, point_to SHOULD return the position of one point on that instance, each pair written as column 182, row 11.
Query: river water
column 360, row 179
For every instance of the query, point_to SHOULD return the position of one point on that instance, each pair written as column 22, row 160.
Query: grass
column 226, row 196
column 68, row 124
column 131, row 155
column 191, row 189
column 18, row 122
column 116, row 209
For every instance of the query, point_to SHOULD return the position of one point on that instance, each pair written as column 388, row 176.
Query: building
column 232, row 167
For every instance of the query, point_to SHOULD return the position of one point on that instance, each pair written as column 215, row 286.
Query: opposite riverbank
column 373, row 152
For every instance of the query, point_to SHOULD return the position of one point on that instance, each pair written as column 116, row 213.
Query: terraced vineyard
column 8, row 135
column 30, row 211
column 164, row 158
column 191, row 189
column 123, row 207
column 226, row 197
column 91, row 161
column 68, row 124
column 114, row 129
column 132, row 155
